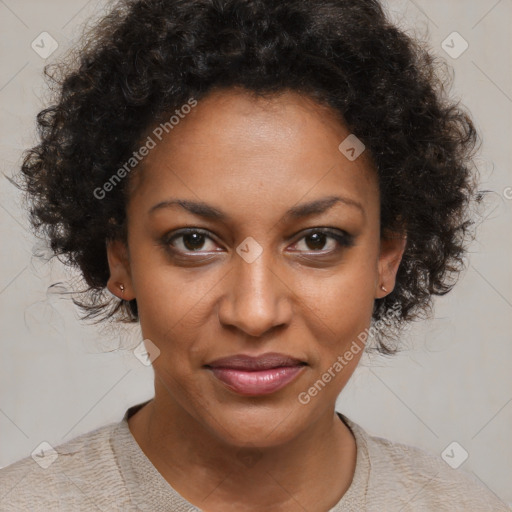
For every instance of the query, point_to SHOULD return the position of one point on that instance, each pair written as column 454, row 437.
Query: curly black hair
column 146, row 58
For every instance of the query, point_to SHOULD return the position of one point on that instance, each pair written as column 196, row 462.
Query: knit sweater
column 106, row 470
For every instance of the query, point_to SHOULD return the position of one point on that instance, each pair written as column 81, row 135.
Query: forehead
column 254, row 152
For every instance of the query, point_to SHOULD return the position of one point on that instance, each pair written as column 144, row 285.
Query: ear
column 392, row 247
column 120, row 274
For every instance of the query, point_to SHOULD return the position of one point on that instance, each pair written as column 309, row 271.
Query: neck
column 311, row 471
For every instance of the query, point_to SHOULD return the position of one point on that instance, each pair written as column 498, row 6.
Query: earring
column 383, row 288
column 121, row 287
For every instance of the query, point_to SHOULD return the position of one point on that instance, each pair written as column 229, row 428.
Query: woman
column 255, row 183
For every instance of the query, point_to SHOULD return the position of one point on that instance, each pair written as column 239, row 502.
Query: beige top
column 106, row 470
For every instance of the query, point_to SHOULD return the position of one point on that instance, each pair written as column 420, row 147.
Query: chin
column 262, row 426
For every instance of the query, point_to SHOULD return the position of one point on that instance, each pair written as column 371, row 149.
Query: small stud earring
column 121, row 287
column 383, row 288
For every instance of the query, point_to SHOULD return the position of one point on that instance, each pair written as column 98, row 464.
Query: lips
column 261, row 375
column 254, row 363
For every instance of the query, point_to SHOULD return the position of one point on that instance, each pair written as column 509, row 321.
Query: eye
column 317, row 239
column 190, row 240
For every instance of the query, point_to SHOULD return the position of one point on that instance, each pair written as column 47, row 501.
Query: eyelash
column 344, row 240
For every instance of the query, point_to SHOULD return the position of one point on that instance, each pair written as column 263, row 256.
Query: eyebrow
column 296, row 212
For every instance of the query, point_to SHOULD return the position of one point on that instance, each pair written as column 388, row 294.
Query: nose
column 256, row 298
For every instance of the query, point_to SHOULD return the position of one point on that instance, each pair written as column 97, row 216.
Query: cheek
column 175, row 314
column 335, row 304
column 341, row 310
column 167, row 295
column 346, row 317
column 340, row 333
column 343, row 299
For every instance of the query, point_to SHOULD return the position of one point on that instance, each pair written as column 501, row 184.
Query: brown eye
column 193, row 241
column 326, row 241
column 316, row 241
column 190, row 240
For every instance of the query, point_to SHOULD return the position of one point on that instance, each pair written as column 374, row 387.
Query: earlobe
column 119, row 282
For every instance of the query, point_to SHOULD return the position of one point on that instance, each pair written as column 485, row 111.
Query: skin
column 254, row 159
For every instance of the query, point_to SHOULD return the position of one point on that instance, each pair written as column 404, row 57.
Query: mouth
column 253, row 376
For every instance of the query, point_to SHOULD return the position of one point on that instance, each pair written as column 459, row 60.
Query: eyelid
column 343, row 238
column 167, row 239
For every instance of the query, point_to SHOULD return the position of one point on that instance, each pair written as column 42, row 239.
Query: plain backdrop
column 60, row 377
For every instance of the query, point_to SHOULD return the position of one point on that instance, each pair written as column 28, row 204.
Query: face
column 250, row 233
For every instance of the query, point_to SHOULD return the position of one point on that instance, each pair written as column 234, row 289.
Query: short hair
column 146, row 58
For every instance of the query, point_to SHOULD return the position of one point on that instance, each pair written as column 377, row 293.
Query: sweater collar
column 150, row 491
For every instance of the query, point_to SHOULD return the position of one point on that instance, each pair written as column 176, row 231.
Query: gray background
column 60, row 378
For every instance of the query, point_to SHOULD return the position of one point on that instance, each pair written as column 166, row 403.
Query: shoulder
column 71, row 476
column 414, row 479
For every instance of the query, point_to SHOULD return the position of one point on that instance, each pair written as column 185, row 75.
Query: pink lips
column 260, row 375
